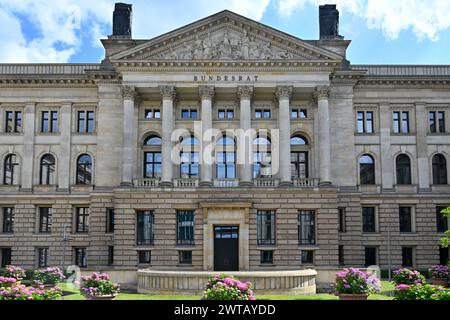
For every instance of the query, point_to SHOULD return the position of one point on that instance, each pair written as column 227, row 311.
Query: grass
column 70, row 292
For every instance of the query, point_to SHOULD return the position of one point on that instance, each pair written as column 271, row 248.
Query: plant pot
column 102, row 298
column 439, row 282
column 353, row 297
column 17, row 283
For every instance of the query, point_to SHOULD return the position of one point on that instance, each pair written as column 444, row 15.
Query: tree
column 445, row 242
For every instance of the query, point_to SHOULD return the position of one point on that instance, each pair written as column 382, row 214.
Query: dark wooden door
column 226, row 248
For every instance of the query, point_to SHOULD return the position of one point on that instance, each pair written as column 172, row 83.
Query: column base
column 166, row 184
column 245, row 184
column 285, row 184
column 126, row 184
column 324, row 184
column 205, row 184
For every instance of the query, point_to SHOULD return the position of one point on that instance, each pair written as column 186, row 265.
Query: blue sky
column 382, row 31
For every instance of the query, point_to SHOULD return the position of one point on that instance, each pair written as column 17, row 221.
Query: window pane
column 370, row 257
column 369, row 222
column 441, row 119
column 266, row 228
column 8, row 220
column 405, row 219
column 432, row 121
column 54, row 127
column 81, row 121
column 361, row 122
column 45, row 122
column 307, row 257
column 407, row 257
column 221, row 114
column 306, row 228
column 441, row 220
column 145, row 228
column 18, row 122
column 294, row 114
column 185, row 227
column 9, row 124
column 230, row 114
column 90, row 125
column 369, row 122
column 396, row 122
column 405, row 122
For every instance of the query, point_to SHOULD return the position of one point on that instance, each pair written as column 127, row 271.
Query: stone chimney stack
column 329, row 22
column 122, row 19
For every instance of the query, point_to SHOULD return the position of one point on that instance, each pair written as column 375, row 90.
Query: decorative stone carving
column 322, row 92
column 168, row 92
column 129, row 93
column 284, row 92
column 206, row 92
column 245, row 92
column 225, row 45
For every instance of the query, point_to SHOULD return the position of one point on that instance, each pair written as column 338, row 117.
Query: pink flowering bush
column 14, row 272
column 50, row 275
column 226, row 287
column 355, row 281
column 421, row 292
column 98, row 285
column 21, row 292
column 6, row 282
column 409, row 277
column 440, row 272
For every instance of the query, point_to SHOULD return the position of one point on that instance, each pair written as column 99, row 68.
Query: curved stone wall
column 193, row 283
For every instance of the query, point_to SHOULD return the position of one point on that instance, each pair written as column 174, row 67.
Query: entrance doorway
column 226, row 248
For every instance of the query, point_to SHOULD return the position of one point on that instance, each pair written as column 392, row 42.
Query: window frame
column 342, row 219
column 16, row 121
column 223, row 150
column 142, row 218
column 10, row 163
column 186, row 237
column 42, row 257
column 307, row 262
column 442, row 223
column 77, row 251
column 85, row 170
column 266, row 227
column 407, row 211
column 370, row 177
column 185, row 257
column 47, row 177
column 144, row 254
column 266, row 257
column 85, row 120
column 45, row 220
column 404, row 265
column 5, row 258
column 311, row 238
column 374, row 257
column 403, row 170
column 7, row 220
column 110, row 217
column 365, row 227
column 50, row 118
column 439, row 170
column 84, row 214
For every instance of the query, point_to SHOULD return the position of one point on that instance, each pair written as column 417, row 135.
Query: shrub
column 355, row 281
column 441, row 272
column 6, row 282
column 421, row 292
column 409, row 277
column 50, row 275
column 98, row 285
column 14, row 272
column 21, row 292
column 226, row 287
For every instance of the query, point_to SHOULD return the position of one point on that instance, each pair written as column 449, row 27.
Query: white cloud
column 425, row 18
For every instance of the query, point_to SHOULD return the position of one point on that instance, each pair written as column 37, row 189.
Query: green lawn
column 71, row 293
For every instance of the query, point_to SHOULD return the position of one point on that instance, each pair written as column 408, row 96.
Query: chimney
column 122, row 19
column 329, row 22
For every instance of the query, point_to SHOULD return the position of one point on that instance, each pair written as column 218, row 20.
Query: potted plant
column 6, row 282
column 407, row 276
column 99, row 287
column 14, row 272
column 354, row 284
column 439, row 275
column 226, row 287
column 48, row 277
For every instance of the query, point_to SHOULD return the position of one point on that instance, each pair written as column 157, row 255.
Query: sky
column 382, row 31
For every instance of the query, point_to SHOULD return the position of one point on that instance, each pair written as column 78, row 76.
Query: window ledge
column 308, row 248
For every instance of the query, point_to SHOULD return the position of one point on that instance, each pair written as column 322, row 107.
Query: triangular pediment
column 225, row 36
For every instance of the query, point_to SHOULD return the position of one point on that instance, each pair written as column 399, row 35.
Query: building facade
column 362, row 153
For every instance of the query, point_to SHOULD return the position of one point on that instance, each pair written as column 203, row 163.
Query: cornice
column 39, row 82
column 403, row 82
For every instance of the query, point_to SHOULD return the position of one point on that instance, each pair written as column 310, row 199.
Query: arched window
column 84, row 169
column 48, row 168
column 439, row 170
column 189, row 155
column 403, row 165
column 367, row 169
column 226, row 158
column 152, row 157
column 11, row 170
column 262, row 157
column 299, row 157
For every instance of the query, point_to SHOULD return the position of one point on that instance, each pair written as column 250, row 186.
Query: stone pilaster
column 168, row 94
column 322, row 95
column 387, row 165
column 28, row 147
column 423, row 167
column 66, row 142
column 129, row 140
column 206, row 95
column 284, row 124
column 245, row 142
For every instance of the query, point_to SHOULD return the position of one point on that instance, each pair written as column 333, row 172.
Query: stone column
column 206, row 95
column 321, row 94
column 168, row 95
column 28, row 146
column 244, row 151
column 128, row 148
column 284, row 124
column 423, row 168
column 387, row 165
column 66, row 137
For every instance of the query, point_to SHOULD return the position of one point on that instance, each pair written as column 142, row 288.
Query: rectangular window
column 307, row 257
column 145, row 227
column 110, row 220
column 307, row 228
column 341, row 255
column 185, row 227
column 6, row 257
column 152, row 114
column 225, row 114
column 441, row 221
column 8, row 220
column 407, row 256
column 110, row 255
column 49, row 122
column 299, row 113
column 13, row 121
column 370, row 256
column 341, row 217
column 365, row 122
column 441, row 121
column 86, row 122
column 263, row 114
column 42, row 258
column 405, row 122
column 266, row 257
column 436, row 121
column 443, row 256
column 189, row 114
column 400, row 122
column 80, row 255
column 54, row 123
column 45, row 122
column 185, row 257
column 265, row 221
column 145, row 257
column 406, row 219
column 82, row 220
column 81, row 121
column 369, row 220
column 45, row 220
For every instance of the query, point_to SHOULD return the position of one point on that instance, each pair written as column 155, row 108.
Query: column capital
column 322, row 93
column 129, row 92
column 168, row 92
column 284, row 92
column 245, row 92
column 206, row 92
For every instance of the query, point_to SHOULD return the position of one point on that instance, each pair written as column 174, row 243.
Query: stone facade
column 223, row 62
